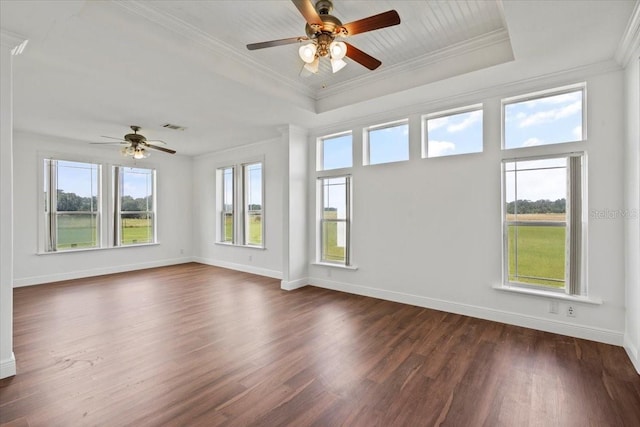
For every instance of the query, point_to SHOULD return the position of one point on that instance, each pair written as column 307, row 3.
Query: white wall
column 428, row 231
column 267, row 261
column 632, row 199
column 173, row 214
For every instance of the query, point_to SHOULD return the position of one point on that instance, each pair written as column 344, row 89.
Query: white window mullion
column 574, row 214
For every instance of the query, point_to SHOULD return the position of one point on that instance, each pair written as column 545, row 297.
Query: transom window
column 453, row 132
column 335, row 151
column 387, row 143
column 543, row 118
column 543, row 222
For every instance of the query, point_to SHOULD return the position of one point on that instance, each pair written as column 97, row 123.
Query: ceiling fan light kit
column 137, row 145
column 322, row 29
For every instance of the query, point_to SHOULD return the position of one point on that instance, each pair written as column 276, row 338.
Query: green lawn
column 136, row 231
column 255, row 230
column 79, row 231
column 540, row 255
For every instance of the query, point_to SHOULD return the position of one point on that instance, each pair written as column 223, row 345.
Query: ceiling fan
column 323, row 29
column 137, row 144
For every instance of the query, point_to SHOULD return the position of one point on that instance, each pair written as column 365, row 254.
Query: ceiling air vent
column 174, row 127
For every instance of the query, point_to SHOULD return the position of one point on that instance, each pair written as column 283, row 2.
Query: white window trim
column 544, row 94
column 581, row 292
column 117, row 214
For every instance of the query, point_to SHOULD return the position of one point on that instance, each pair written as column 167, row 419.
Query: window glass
column 72, row 204
column 335, row 220
column 253, row 204
column 336, row 152
column 227, row 205
column 137, row 207
column 452, row 134
column 388, row 143
column 548, row 119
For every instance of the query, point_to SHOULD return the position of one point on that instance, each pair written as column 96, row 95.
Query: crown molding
column 153, row 14
column 13, row 41
column 392, row 73
column 630, row 41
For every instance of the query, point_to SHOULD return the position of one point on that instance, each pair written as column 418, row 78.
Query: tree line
column 71, row 202
column 538, row 206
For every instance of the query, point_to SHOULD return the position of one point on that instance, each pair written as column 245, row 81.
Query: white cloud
column 557, row 99
column 434, row 124
column 551, row 115
column 472, row 118
column 441, row 148
column 532, row 142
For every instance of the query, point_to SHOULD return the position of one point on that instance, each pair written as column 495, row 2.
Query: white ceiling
column 93, row 68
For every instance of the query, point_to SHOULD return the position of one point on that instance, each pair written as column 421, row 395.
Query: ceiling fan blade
column 308, row 11
column 155, row 141
column 109, row 143
column 362, row 58
column 112, row 137
column 280, row 42
column 166, row 150
column 375, row 22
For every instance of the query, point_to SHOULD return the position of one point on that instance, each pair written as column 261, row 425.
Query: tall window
column 544, row 118
column 241, row 205
column 387, row 143
column 72, row 205
column 335, row 219
column 543, row 222
column 227, row 213
column 453, row 132
column 135, row 205
column 253, row 229
column 335, row 152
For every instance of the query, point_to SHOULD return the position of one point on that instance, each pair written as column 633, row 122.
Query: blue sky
column 455, row 134
column 78, row 178
column 389, row 144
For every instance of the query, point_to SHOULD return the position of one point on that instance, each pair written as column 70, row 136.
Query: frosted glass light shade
column 308, row 52
column 338, row 50
column 337, row 64
column 313, row 66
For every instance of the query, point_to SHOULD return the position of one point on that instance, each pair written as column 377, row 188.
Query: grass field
column 78, row 231
column 255, row 230
column 540, row 255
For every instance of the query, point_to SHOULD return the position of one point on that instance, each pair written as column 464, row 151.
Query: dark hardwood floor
column 194, row 345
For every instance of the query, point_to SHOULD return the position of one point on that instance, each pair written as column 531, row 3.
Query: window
column 72, row 205
column 543, row 222
column 335, row 152
column 335, row 219
column 226, row 219
column 544, row 118
column 453, row 132
column 240, row 204
column 134, row 206
column 387, row 143
column 253, row 204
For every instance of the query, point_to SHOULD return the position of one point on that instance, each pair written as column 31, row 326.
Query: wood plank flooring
column 194, row 345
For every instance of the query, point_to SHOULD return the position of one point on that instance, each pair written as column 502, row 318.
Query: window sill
column 261, row 248
column 106, row 248
column 548, row 294
column 328, row 264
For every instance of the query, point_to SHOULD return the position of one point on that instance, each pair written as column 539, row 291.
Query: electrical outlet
column 571, row 311
column 181, row 251
column 328, row 272
column 554, row 307
column 250, row 258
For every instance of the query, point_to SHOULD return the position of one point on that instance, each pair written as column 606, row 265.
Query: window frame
column 223, row 210
column 117, row 206
column 240, row 209
column 540, row 95
column 446, row 113
column 48, row 209
column 366, row 141
column 575, row 277
column 347, row 220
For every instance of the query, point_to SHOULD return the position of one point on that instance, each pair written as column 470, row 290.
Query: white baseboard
column 294, row 284
column 79, row 274
column 8, row 367
column 240, row 267
column 632, row 352
column 578, row 331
